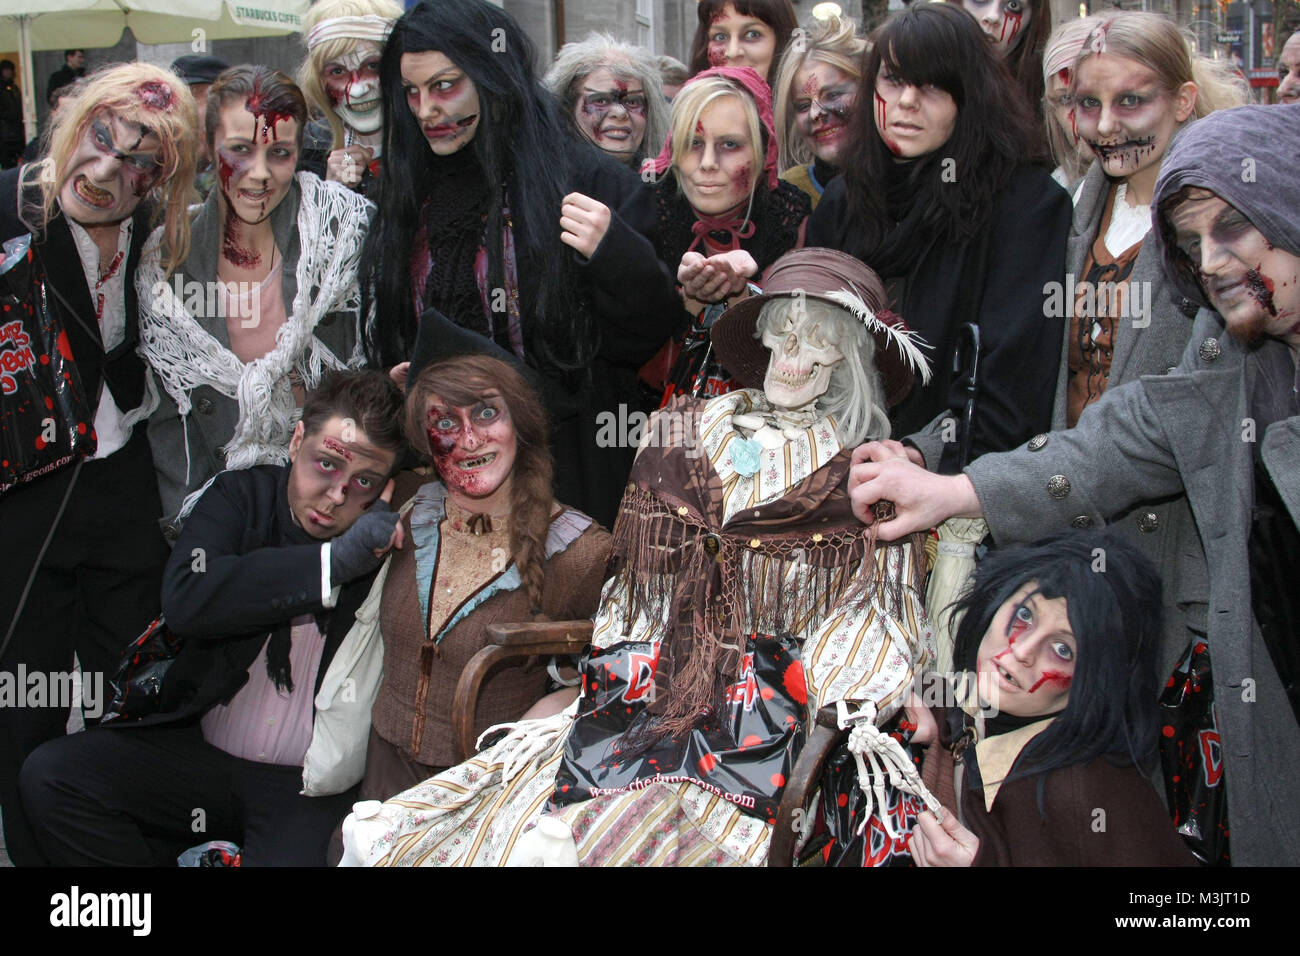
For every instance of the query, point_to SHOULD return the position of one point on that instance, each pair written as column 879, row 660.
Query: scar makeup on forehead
column 810, row 84
column 620, row 85
column 269, row 118
column 336, row 446
column 155, row 95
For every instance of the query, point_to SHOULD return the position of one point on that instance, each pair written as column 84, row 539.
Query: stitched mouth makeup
column 1128, row 153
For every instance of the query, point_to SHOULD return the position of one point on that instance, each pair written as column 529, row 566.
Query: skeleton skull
column 800, row 333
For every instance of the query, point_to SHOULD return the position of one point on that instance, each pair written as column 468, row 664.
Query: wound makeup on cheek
column 1054, row 679
column 336, row 446
column 717, row 54
column 743, row 179
column 1011, row 26
column 882, row 124
column 1260, row 288
column 466, row 121
column 441, row 443
column 1074, row 125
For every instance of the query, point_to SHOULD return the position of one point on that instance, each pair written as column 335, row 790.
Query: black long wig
column 941, row 45
column 1113, row 595
column 520, row 143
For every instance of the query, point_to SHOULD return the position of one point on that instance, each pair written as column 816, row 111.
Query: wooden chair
column 543, row 639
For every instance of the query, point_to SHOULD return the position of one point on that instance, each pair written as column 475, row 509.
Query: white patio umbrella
column 28, row 25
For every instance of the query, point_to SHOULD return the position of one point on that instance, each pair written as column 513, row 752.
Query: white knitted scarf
column 332, row 229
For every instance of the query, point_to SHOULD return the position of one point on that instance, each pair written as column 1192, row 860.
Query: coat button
column 1058, row 486
column 204, row 406
column 1081, row 521
column 1171, row 369
column 1148, row 521
column 171, row 532
column 1209, row 350
column 1037, row 442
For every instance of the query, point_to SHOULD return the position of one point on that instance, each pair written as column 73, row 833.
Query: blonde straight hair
column 834, row 41
column 692, row 101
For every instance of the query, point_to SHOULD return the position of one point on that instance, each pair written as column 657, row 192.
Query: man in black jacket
column 73, row 69
column 84, row 551
column 263, row 587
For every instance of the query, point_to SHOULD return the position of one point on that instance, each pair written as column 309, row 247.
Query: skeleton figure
column 803, row 338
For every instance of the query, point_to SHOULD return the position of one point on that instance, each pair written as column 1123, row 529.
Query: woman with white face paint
column 340, row 78
column 710, row 656
column 1017, row 30
column 84, row 554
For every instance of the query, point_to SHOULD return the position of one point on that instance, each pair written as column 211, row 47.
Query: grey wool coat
column 1149, row 344
column 1156, row 438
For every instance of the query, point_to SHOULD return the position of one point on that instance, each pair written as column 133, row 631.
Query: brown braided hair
column 465, row 380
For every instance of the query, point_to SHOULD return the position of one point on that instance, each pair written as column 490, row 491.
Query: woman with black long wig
column 479, row 220
column 1061, row 637
column 936, row 196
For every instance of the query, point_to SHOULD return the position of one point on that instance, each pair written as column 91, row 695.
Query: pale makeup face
column 336, row 474
column 1253, row 284
column 1025, row 663
column 1288, row 71
column 801, row 335
column 352, row 84
column 1004, row 22
column 611, row 112
column 115, row 164
column 1126, row 117
column 822, row 97
column 738, row 39
column 443, row 100
column 256, row 157
column 473, row 447
column 717, row 173
column 913, row 121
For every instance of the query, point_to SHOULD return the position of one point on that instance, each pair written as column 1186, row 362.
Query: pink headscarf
column 757, row 88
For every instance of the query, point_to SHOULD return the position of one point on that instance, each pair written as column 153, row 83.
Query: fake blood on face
column 1054, row 679
column 882, row 124
column 1260, row 288
column 1010, row 27
column 155, row 95
column 336, row 446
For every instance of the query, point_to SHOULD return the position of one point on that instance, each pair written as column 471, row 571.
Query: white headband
column 369, row 27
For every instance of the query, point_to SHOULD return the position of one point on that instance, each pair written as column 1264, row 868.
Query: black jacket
column 241, row 568
column 995, row 281
column 70, row 299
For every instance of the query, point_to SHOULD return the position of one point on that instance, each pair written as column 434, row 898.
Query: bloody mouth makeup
column 352, row 84
column 1125, row 115
column 115, row 165
column 473, row 448
column 443, row 100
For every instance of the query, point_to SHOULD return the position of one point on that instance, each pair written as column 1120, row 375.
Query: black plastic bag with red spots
column 1191, row 756
column 743, row 752
column 45, row 421
column 848, row 830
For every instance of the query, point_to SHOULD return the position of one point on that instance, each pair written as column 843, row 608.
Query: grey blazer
column 212, row 417
column 1156, row 438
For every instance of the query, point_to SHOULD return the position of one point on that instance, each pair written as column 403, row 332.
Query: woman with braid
column 486, row 544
